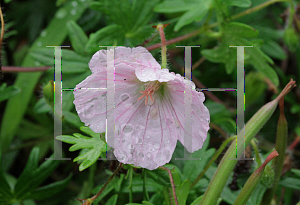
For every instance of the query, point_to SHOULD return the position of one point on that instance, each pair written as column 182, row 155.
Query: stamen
column 149, row 91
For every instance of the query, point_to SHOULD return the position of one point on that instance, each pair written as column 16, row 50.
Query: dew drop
column 44, row 33
column 148, row 136
column 61, row 14
column 151, row 149
column 177, row 124
column 150, row 102
column 89, row 112
column 141, row 155
column 39, row 44
column 37, row 63
column 140, row 140
column 148, row 155
column 154, row 113
column 124, row 97
column 74, row 3
column 73, row 12
column 169, row 122
column 156, row 145
column 128, row 129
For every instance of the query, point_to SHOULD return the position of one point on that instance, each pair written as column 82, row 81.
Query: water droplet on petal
column 140, row 140
column 167, row 154
column 141, row 155
column 124, row 97
column 89, row 112
column 154, row 114
column 169, row 122
column 61, row 14
column 128, row 129
column 177, row 124
column 156, row 145
column 148, row 136
column 151, row 149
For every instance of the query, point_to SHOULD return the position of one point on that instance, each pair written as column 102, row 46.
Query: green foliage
column 94, row 145
column 32, row 177
column 27, row 116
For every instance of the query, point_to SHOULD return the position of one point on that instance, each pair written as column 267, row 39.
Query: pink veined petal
column 200, row 114
column 145, row 138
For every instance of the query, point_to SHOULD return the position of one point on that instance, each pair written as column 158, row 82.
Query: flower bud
column 268, row 176
column 253, row 181
column 48, row 92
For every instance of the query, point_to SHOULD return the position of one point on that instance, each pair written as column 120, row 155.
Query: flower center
column 150, row 89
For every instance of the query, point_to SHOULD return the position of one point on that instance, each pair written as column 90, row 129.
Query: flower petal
column 199, row 113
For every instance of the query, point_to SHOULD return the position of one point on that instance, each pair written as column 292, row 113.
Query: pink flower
column 146, row 132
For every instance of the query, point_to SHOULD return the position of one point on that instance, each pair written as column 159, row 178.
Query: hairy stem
column 90, row 200
column 172, row 183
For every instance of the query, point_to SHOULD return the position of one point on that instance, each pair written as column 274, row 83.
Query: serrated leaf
column 103, row 37
column 173, row 6
column 90, row 132
column 32, row 176
column 238, row 3
column 95, row 146
column 197, row 13
column 77, row 36
column 49, row 190
column 8, row 92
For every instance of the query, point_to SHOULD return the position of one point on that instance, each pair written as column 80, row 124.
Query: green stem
column 201, row 30
column 90, row 200
column 160, row 28
column 226, row 165
column 214, row 157
column 281, row 144
column 255, row 148
column 172, row 183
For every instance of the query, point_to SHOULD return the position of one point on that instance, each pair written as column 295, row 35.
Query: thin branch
column 90, row 200
column 172, row 183
column 1, row 40
column 15, row 69
column 201, row 30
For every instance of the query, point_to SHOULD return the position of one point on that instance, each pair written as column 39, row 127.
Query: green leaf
column 49, row 190
column 32, row 176
column 240, row 29
column 95, row 146
column 296, row 172
column 162, row 176
column 197, row 201
column 197, row 13
column 182, row 192
column 72, row 118
column 17, row 106
column 71, row 61
column 41, row 106
column 238, row 3
column 8, row 92
column 106, row 191
column 112, row 200
column 5, row 191
column 191, row 169
column 173, row 6
column 273, row 49
column 290, row 182
column 77, row 37
column 90, row 132
column 255, row 86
